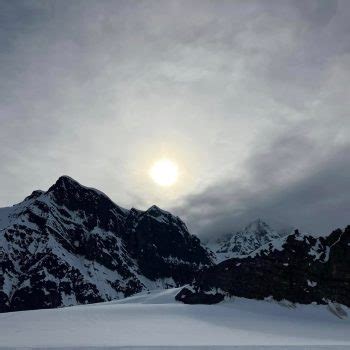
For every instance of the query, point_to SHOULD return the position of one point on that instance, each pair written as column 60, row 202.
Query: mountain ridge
column 73, row 245
column 299, row 268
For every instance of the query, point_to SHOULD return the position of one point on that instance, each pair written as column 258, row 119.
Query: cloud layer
column 251, row 98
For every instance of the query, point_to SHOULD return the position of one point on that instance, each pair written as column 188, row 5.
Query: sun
column 164, row 172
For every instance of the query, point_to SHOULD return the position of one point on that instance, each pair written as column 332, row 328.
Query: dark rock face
column 73, row 245
column 298, row 268
column 157, row 239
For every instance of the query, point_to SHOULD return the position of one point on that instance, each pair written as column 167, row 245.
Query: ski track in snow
column 154, row 320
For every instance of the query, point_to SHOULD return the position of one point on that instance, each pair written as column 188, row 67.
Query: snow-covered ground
column 155, row 319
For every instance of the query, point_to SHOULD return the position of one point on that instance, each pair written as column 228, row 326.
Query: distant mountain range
column 243, row 242
column 298, row 268
column 73, row 245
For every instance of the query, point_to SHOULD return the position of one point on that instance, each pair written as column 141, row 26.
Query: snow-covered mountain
column 73, row 245
column 299, row 268
column 253, row 236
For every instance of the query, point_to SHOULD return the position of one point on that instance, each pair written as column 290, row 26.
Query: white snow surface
column 154, row 318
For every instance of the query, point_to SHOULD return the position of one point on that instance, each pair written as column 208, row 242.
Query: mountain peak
column 35, row 194
column 243, row 242
column 66, row 182
column 258, row 222
column 154, row 207
column 259, row 227
column 155, row 210
column 73, row 195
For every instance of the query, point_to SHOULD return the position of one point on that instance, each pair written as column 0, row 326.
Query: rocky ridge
column 73, row 245
column 299, row 268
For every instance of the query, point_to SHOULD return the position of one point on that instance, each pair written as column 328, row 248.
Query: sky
column 251, row 99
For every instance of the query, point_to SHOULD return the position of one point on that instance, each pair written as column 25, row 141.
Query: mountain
column 298, row 268
column 243, row 242
column 73, row 245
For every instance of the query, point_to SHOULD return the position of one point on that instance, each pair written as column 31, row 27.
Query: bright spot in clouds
column 164, row 172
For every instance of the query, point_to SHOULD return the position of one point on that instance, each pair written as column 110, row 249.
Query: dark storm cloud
column 280, row 188
column 250, row 97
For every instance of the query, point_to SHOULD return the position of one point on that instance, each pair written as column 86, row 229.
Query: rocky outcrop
column 162, row 246
column 73, row 245
column 299, row 268
column 187, row 296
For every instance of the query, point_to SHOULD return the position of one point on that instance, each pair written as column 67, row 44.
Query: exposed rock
column 73, row 245
column 188, row 297
column 299, row 268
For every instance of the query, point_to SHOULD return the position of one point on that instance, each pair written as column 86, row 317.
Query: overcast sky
column 250, row 98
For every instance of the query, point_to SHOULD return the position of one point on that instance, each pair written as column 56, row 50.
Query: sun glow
column 164, row 172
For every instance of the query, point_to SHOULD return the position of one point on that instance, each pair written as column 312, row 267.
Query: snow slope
column 155, row 319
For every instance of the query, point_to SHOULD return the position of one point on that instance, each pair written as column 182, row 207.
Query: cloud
column 279, row 188
column 251, row 99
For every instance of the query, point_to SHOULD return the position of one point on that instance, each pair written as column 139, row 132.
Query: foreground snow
column 151, row 319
